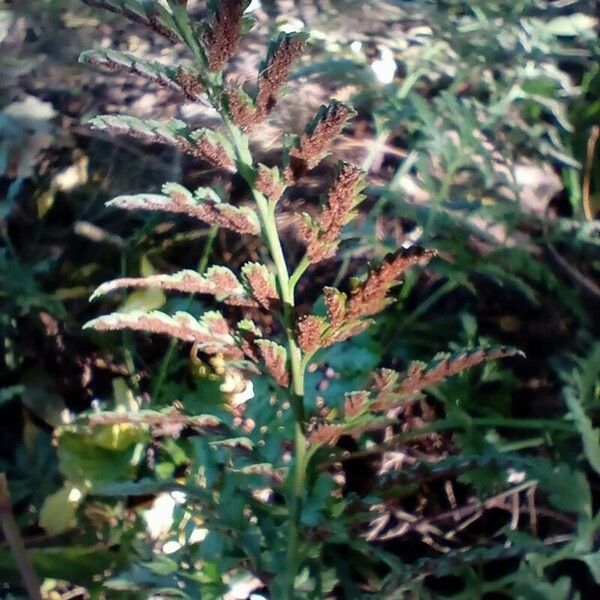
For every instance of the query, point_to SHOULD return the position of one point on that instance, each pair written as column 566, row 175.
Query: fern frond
column 183, row 80
column 275, row 359
column 204, row 144
column 210, row 333
column 150, row 14
column 179, row 200
column 392, row 387
column 260, row 283
column 222, row 36
column 219, row 282
column 315, row 143
column 322, row 234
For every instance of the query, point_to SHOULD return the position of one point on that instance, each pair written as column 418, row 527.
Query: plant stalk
column 286, row 289
column 297, row 372
column 295, row 508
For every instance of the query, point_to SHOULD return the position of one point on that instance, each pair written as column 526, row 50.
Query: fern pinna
column 289, row 540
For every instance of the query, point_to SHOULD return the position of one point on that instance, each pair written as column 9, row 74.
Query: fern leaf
column 210, row 333
column 355, row 404
column 269, row 183
column 260, row 283
column 322, row 235
column 180, row 200
column 150, row 14
column 200, row 143
column 307, row 152
column 221, row 35
column 218, row 281
column 275, row 69
column 419, row 377
column 182, row 80
column 275, row 359
column 392, row 386
column 325, row 434
column 589, row 434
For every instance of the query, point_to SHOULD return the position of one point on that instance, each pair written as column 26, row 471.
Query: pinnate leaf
column 590, row 436
column 259, row 281
column 181, row 201
column 392, row 387
column 182, row 80
column 275, row 359
column 218, row 281
column 204, row 144
column 151, row 14
column 210, row 333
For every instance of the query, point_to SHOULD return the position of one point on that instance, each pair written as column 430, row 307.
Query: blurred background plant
column 478, row 125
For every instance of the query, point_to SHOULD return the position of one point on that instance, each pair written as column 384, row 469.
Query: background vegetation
column 477, row 125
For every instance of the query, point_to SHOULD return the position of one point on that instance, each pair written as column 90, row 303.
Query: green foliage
column 238, row 450
column 280, row 459
column 481, row 95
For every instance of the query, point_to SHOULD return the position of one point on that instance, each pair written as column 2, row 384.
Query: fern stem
column 208, row 247
column 424, row 306
column 295, row 507
column 297, row 371
column 286, row 289
column 298, row 272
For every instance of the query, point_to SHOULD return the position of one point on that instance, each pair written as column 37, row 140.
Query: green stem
column 298, row 272
column 441, row 195
column 450, row 424
column 208, row 247
column 286, row 286
column 297, row 371
column 523, row 423
column 267, row 214
column 295, row 507
column 378, row 145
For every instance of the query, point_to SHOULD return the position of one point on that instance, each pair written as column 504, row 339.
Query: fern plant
column 291, row 538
